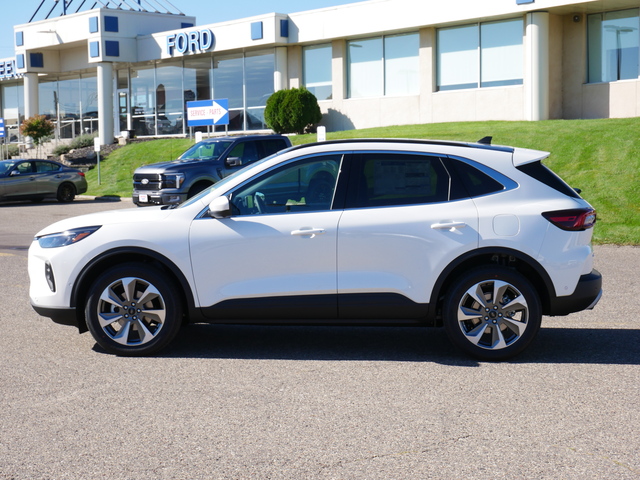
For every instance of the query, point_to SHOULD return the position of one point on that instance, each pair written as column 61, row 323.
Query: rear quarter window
column 475, row 183
column 545, row 175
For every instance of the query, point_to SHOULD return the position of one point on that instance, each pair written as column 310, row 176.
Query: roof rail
column 452, row 143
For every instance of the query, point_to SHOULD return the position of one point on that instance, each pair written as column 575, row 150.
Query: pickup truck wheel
column 492, row 313
column 133, row 310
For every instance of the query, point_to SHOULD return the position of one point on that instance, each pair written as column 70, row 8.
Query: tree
column 38, row 128
column 292, row 111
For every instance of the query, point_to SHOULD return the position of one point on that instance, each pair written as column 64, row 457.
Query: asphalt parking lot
column 242, row 402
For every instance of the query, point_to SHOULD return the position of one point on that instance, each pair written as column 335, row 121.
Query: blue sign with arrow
column 208, row 112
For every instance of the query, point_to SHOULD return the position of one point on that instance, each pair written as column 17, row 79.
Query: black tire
column 66, row 192
column 491, row 328
column 122, row 321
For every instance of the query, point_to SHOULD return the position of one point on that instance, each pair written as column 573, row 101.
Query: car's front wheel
column 492, row 313
column 133, row 310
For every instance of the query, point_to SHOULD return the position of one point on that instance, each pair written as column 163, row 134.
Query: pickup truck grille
column 147, row 181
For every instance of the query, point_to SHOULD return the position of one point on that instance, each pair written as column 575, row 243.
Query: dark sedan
column 39, row 179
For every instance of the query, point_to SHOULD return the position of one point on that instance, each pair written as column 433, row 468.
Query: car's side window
column 46, row 167
column 271, row 146
column 302, row 186
column 475, row 183
column 385, row 179
column 246, row 151
column 24, row 168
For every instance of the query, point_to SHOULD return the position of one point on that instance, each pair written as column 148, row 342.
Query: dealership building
column 125, row 66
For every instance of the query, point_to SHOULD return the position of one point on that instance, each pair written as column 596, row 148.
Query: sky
column 206, row 11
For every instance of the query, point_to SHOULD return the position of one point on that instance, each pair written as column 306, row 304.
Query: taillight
column 574, row 220
column 81, row 174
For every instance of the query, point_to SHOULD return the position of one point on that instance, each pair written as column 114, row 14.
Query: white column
column 105, row 103
column 537, row 66
column 31, row 103
column 280, row 75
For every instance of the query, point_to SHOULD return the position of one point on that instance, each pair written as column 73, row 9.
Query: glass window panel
column 169, row 100
column 89, row 103
column 402, row 67
column 69, row 97
column 614, row 41
column 12, row 110
column 228, row 80
column 143, row 98
column 69, row 107
column 48, row 99
column 197, row 79
column 259, row 71
column 316, row 61
column 594, row 42
column 236, row 121
column 143, row 90
column 304, row 186
column 255, row 119
column 123, row 78
column 365, row 68
column 458, row 65
column 399, row 179
column 501, row 53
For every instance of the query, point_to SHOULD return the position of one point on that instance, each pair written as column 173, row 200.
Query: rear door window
column 386, row 179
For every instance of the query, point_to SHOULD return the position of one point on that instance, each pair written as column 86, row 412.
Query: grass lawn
column 601, row 157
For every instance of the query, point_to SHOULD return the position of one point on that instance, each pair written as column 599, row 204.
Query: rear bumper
column 587, row 293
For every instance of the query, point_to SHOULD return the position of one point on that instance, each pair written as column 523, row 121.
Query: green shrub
column 273, row 111
column 292, row 111
column 14, row 151
column 82, row 141
column 61, row 149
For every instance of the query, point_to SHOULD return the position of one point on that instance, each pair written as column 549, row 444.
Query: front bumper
column 586, row 295
column 62, row 316
column 143, row 198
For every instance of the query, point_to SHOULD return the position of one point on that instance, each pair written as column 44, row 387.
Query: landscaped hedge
column 292, row 111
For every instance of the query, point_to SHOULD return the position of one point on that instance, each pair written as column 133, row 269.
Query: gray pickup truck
column 168, row 183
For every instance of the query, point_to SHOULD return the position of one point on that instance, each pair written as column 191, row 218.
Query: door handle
column 308, row 232
column 451, row 226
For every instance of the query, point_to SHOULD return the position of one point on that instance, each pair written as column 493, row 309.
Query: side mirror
column 234, row 162
column 220, row 207
column 14, row 173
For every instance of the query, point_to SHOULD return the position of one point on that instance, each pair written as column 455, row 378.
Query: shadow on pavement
column 404, row 344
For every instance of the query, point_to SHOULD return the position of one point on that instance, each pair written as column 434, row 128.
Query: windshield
column 5, row 166
column 207, row 150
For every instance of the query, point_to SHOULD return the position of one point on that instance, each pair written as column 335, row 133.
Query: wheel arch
column 507, row 257
column 203, row 182
column 120, row 256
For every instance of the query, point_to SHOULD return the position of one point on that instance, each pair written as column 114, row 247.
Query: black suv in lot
column 202, row 165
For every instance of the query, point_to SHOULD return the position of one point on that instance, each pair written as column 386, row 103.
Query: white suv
column 480, row 239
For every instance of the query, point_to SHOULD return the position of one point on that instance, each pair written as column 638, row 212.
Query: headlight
column 173, row 180
column 65, row 238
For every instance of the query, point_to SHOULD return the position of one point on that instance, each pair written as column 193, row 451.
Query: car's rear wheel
column 133, row 310
column 66, row 192
column 492, row 313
